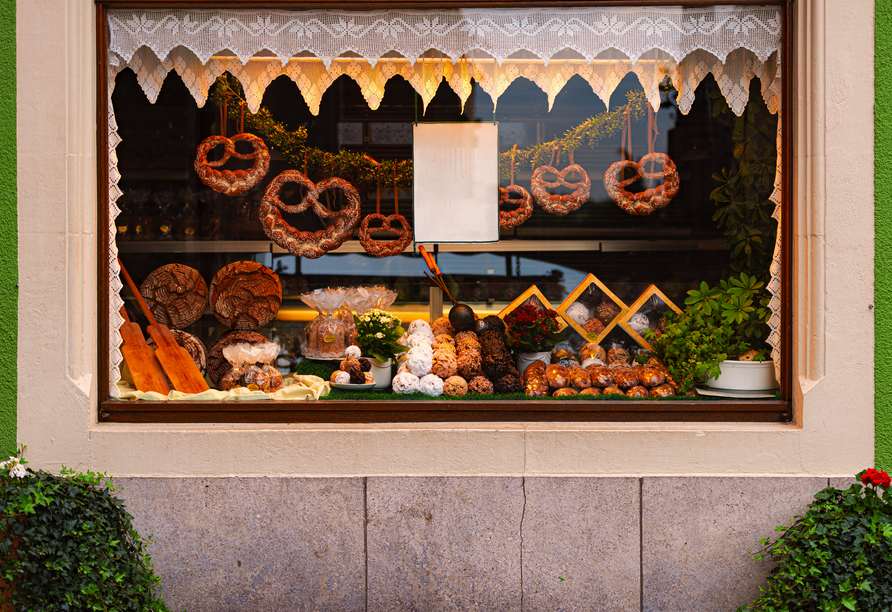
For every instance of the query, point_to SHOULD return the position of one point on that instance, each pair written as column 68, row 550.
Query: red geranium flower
column 879, row 478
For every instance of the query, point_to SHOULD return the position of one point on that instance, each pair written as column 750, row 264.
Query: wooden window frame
column 447, row 410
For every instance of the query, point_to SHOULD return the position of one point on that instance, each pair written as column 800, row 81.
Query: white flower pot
column 745, row 376
column 525, row 359
column 381, row 372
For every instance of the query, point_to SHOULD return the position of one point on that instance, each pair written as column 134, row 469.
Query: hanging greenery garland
column 357, row 167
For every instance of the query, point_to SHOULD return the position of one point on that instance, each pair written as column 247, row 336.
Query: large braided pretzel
column 309, row 244
column 645, row 202
column 380, row 248
column 509, row 219
column 231, row 182
column 564, row 204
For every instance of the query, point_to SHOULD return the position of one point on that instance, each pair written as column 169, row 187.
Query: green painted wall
column 8, row 230
column 883, row 239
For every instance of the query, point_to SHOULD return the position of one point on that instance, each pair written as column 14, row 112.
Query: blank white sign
column 456, row 182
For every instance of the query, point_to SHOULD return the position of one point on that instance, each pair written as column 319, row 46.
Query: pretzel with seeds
column 231, row 182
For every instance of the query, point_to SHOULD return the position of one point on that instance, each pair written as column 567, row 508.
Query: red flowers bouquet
column 531, row 329
column 878, row 478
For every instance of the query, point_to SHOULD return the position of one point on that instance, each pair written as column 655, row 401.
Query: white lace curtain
column 492, row 47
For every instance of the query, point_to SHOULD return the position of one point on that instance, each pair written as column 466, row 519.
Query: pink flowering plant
column 377, row 333
column 531, row 329
column 837, row 556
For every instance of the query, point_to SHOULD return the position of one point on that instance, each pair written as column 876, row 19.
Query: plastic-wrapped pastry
column 612, row 390
column 442, row 339
column 509, row 383
column 592, row 362
column 580, row 378
column 420, row 326
column 232, row 380
column 651, row 377
column 661, row 391
column 273, row 377
column 405, row 382
column 340, row 377
column 625, row 378
column 593, row 326
column 442, row 326
column 578, row 312
column 455, row 386
column 444, row 365
column 561, row 353
column 602, row 376
column 353, row 352
column 535, row 383
column 607, row 311
column 592, row 351
column 639, row 322
column 565, row 391
column 590, row 391
column 618, row 353
column 470, row 365
column 638, row 391
column 558, row 376
column 480, row 385
column 431, row 384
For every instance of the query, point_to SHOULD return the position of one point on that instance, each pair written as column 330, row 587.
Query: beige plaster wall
column 57, row 397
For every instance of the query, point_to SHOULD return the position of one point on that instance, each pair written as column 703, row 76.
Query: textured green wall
column 883, row 262
column 8, row 230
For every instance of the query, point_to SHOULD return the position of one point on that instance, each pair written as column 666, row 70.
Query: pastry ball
column 602, row 376
column 495, row 323
column 365, row 364
column 369, row 378
column 352, row 352
column 661, row 391
column 232, row 379
column 352, row 367
column 419, row 339
column 509, row 383
column 565, row 391
column 638, row 392
column 495, row 366
column 420, row 364
column 405, row 382
column 558, row 376
column 651, row 377
column 639, row 322
column 480, row 385
column 455, row 385
column 578, row 313
column 444, row 365
column 617, row 353
column 463, row 336
column 469, row 365
column 613, row 390
column 607, row 311
column 340, row 377
column 442, row 326
column 420, row 326
column 441, row 340
column 626, row 378
column 590, row 391
column 580, row 378
column 592, row 362
column 431, row 384
column 593, row 326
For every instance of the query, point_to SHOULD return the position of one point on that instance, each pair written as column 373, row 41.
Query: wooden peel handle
column 142, row 303
column 429, row 260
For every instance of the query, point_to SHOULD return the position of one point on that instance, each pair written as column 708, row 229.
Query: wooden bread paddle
column 176, row 361
column 140, row 358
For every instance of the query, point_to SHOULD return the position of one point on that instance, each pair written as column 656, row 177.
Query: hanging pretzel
column 311, row 245
column 231, row 182
column 382, row 248
column 564, row 204
column 645, row 202
column 509, row 219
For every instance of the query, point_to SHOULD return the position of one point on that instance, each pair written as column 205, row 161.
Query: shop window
column 640, row 149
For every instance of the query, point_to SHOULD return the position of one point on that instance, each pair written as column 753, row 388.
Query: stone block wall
column 376, row 544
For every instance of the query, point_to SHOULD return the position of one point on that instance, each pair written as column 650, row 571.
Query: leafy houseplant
column 68, row 544
column 377, row 333
column 837, row 556
column 531, row 329
column 718, row 323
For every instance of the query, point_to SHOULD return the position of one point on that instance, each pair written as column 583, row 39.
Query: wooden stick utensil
column 461, row 316
column 140, row 358
column 176, row 361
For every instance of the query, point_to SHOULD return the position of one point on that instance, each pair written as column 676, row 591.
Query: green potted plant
column 377, row 333
column 68, row 544
column 532, row 333
column 837, row 556
column 719, row 325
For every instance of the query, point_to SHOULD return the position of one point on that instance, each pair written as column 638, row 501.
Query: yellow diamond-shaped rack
column 527, row 296
column 651, row 302
column 592, row 302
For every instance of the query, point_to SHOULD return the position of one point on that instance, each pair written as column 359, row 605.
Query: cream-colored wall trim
column 833, row 326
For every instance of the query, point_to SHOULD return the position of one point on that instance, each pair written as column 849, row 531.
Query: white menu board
column 456, row 182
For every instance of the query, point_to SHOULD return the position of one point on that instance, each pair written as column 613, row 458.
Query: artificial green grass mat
column 338, row 394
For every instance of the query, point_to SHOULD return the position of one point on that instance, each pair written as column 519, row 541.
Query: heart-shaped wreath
column 311, row 245
column 560, row 204
column 231, row 182
column 380, row 248
column 644, row 202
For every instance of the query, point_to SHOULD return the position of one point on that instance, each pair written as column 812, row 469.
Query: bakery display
column 217, row 365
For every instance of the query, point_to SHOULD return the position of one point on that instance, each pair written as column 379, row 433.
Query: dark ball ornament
column 480, row 326
column 461, row 317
